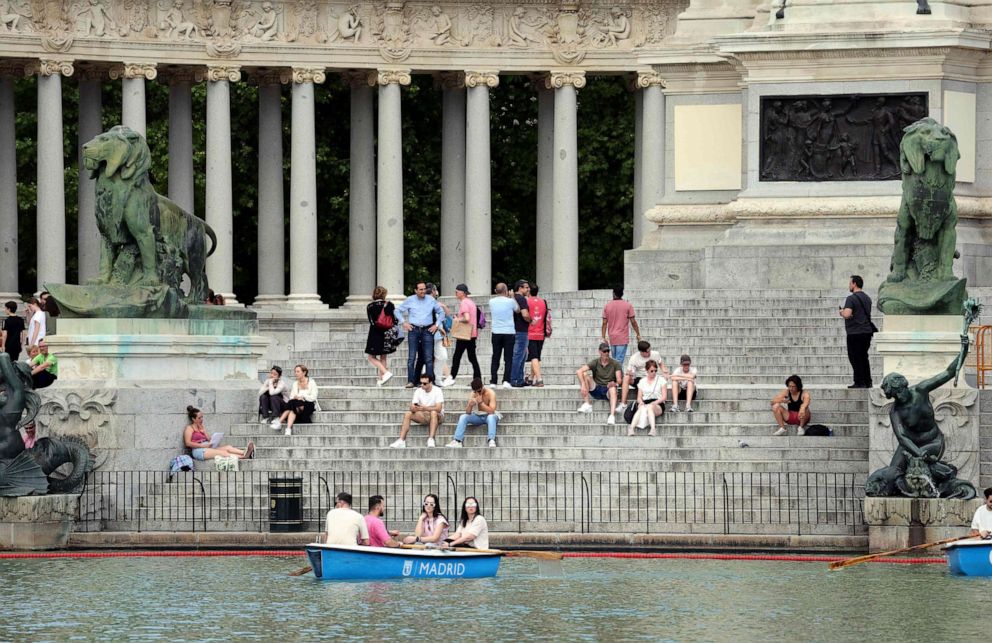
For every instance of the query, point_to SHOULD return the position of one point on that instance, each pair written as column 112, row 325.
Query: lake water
column 594, row 599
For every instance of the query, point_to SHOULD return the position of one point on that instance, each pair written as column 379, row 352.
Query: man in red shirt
column 378, row 536
column 616, row 315
column 539, row 329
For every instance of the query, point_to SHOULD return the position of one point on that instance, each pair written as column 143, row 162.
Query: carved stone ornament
column 308, row 75
column 489, row 79
column 835, row 138
column 48, row 67
column 131, row 71
column 559, row 79
column 215, row 73
column 177, row 24
column 389, row 77
column 647, row 79
column 84, row 414
column 16, row 17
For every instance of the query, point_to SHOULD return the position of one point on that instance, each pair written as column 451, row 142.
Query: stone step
column 598, row 416
column 456, row 398
column 734, row 392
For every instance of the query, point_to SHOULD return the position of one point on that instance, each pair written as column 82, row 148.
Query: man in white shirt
column 345, row 526
column 427, row 408
column 683, row 381
column 981, row 524
column 635, row 369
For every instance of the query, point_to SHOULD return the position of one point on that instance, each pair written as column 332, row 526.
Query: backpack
column 547, row 321
column 818, row 430
column 384, row 321
column 481, row 318
column 180, row 463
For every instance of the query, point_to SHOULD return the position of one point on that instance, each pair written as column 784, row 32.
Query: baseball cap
column 685, row 360
column 604, row 347
column 463, row 288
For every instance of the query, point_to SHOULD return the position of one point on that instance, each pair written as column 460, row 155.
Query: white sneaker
column 275, row 424
column 399, row 444
column 385, row 378
column 492, row 444
column 454, row 444
column 585, row 408
column 800, row 431
column 621, row 407
column 612, row 419
column 782, row 431
column 264, row 422
column 430, row 443
column 288, row 431
column 507, row 385
column 446, row 382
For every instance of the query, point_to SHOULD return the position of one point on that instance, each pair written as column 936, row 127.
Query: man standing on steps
column 538, row 331
column 599, row 379
column 856, row 312
column 427, row 408
column 501, row 308
column 616, row 316
column 521, row 326
column 420, row 314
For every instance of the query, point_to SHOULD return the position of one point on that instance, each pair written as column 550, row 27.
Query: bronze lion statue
column 147, row 240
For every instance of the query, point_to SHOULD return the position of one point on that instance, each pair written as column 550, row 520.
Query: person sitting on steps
column 636, row 370
column 426, row 408
column 302, row 401
column 650, row 399
column 599, row 380
column 195, row 439
column 791, row 406
column 682, row 381
column 272, row 396
column 481, row 409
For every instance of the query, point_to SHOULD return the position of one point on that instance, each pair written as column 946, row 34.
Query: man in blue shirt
column 501, row 309
column 521, row 324
column 420, row 314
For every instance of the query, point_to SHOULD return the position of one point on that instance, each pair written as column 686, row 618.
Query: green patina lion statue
column 921, row 278
column 148, row 243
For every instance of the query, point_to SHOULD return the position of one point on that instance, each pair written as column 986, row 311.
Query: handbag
column 461, row 329
column 384, row 321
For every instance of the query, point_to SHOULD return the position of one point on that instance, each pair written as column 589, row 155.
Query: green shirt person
column 44, row 367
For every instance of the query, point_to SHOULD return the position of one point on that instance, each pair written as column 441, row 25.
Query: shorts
column 601, row 392
column 681, row 393
column 794, row 418
column 198, row 454
column 534, row 347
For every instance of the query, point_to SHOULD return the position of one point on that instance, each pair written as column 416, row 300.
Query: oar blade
column 301, row 571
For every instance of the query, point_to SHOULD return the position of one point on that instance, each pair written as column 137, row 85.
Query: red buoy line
column 576, row 554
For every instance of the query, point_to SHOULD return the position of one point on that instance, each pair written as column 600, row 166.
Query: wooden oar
column 864, row 559
column 514, row 553
column 301, row 571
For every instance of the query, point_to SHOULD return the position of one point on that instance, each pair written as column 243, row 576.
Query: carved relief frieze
column 16, row 17
column 92, row 18
column 176, row 22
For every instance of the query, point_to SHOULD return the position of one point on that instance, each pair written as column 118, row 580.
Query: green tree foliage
column 605, row 140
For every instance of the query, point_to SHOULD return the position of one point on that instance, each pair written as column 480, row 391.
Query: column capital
column 561, row 78
column 216, row 73
column 175, row 74
column 389, row 77
column 302, row 75
column 449, row 80
column 355, row 78
column 647, row 79
column 489, row 79
column 50, row 67
column 262, row 76
column 132, row 71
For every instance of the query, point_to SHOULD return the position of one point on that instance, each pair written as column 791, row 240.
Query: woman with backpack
column 382, row 338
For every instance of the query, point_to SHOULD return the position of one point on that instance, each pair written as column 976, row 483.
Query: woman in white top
column 37, row 325
column 473, row 530
column 302, row 401
column 651, row 394
column 272, row 396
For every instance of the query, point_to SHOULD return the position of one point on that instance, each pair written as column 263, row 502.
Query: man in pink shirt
column 378, row 536
column 616, row 316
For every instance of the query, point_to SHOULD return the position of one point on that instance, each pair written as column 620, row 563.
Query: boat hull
column 970, row 558
column 345, row 562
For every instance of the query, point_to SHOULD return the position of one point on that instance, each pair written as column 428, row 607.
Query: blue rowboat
column 355, row 562
column 970, row 557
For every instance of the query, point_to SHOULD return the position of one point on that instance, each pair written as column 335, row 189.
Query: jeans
column 270, row 406
column 421, row 342
column 857, row 354
column 619, row 352
column 462, row 345
column 502, row 344
column 519, row 357
column 475, row 420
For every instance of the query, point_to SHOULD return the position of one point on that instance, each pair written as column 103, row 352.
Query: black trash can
column 285, row 504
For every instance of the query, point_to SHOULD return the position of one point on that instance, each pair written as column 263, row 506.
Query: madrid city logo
column 407, row 567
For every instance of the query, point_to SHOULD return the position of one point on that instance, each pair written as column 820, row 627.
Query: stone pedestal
column 895, row 523
column 920, row 346
column 37, row 522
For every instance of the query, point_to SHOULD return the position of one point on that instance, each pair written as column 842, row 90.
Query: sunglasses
column 652, row 370
column 428, row 504
column 471, row 504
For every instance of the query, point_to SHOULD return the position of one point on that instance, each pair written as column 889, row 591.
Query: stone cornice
column 132, row 71
column 558, row 79
column 216, row 73
column 488, row 79
column 389, row 77
column 51, row 67
column 301, row 75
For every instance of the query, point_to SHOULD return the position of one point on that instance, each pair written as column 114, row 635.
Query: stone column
column 219, row 204
column 133, row 92
column 638, row 212
column 478, row 200
column 90, row 125
column 545, row 172
column 181, row 185
column 650, row 171
column 452, row 181
column 271, row 209
column 565, row 210
column 361, row 204
column 8, row 184
column 389, row 193
column 51, row 170
column 303, row 192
